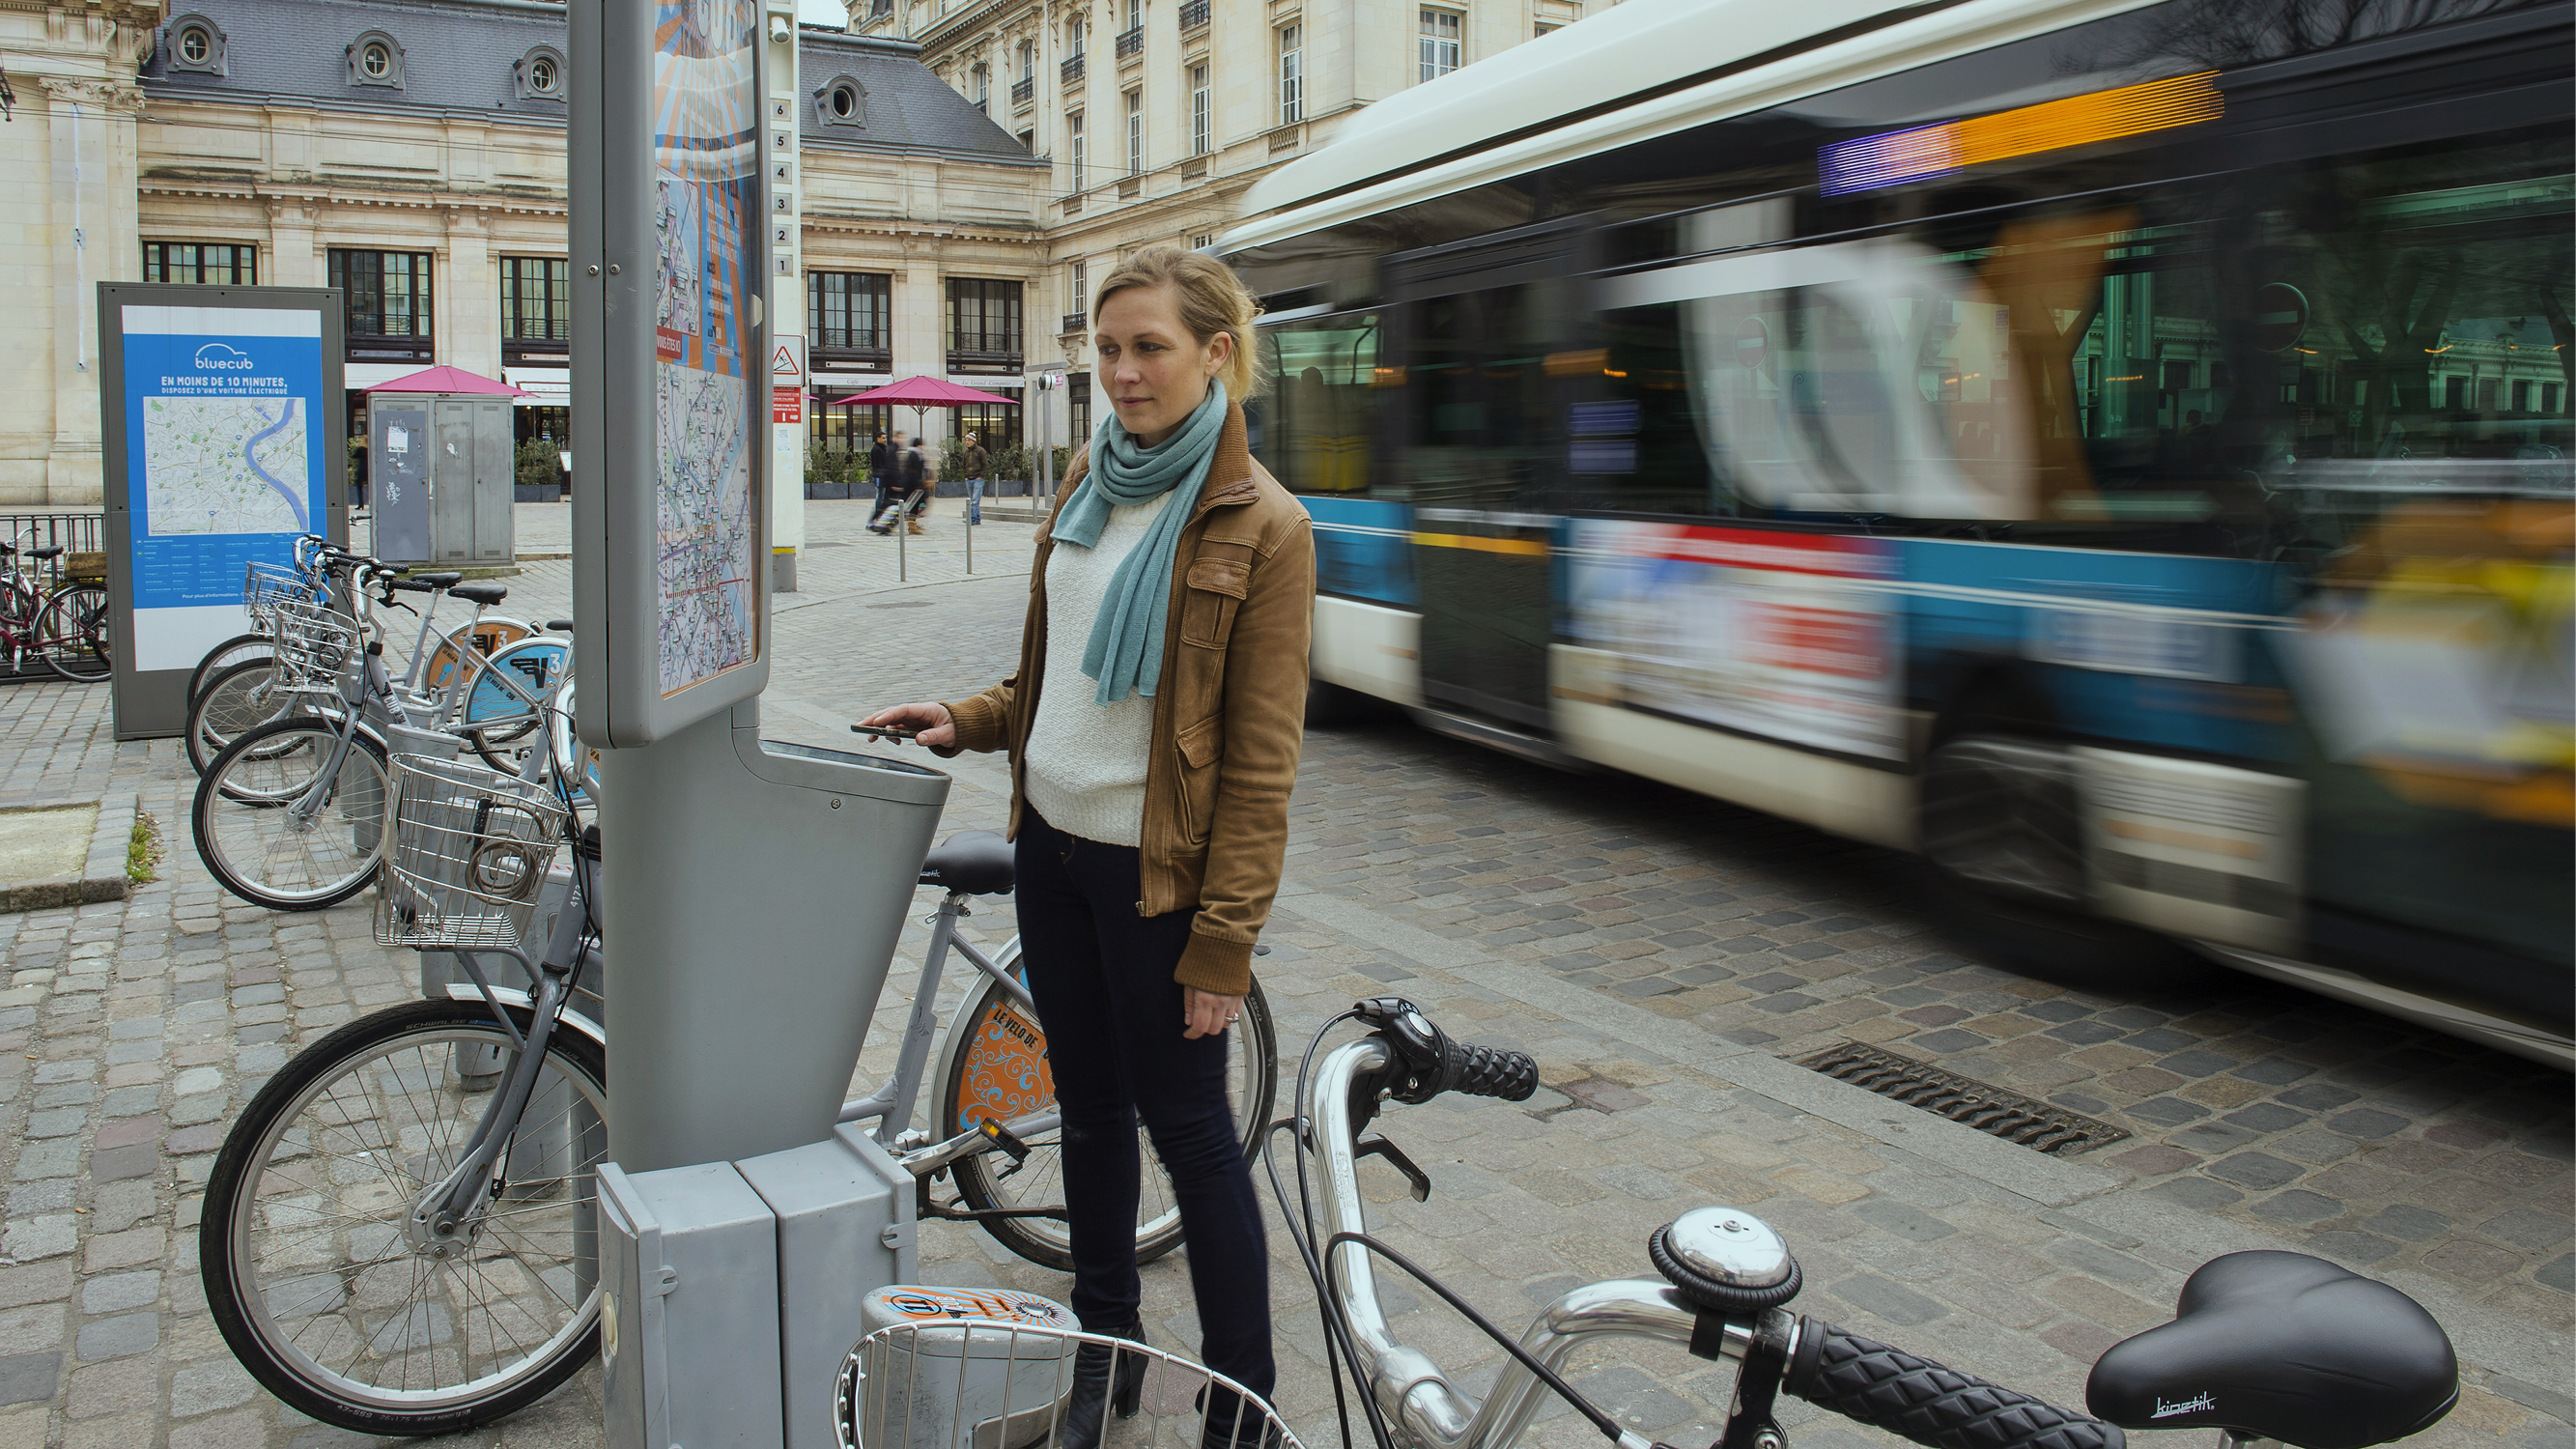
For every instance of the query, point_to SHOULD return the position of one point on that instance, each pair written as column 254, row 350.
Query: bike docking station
column 752, row 891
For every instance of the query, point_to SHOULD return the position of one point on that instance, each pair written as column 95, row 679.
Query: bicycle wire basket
column 468, row 857
column 992, row 1384
column 314, row 645
column 263, row 584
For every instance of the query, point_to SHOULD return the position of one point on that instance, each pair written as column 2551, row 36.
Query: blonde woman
column 1153, row 728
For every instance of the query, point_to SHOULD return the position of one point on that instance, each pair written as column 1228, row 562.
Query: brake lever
column 1376, row 1145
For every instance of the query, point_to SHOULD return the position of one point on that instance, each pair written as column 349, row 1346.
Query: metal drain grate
column 1991, row 1110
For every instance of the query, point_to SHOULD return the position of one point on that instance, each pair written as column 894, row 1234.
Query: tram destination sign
column 670, row 364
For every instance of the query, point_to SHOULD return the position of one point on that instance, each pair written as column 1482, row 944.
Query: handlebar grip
column 1922, row 1401
column 414, row 586
column 1483, row 1071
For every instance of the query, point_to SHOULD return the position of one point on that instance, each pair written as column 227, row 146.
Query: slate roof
column 458, row 54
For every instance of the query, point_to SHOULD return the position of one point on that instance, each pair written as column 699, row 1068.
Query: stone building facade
column 969, row 171
column 1154, row 116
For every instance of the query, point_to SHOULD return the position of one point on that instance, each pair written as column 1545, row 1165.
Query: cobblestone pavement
column 1659, row 954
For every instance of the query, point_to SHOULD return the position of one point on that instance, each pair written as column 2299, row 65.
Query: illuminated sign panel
column 1893, row 158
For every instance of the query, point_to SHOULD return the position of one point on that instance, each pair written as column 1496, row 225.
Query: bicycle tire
column 72, row 633
column 240, row 819
column 224, row 656
column 236, row 700
column 250, row 1203
column 1013, row 1078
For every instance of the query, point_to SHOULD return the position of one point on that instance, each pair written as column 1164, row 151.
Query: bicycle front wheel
column 224, row 656
column 72, row 633
column 269, row 853
column 315, row 1279
column 239, row 698
column 998, row 1072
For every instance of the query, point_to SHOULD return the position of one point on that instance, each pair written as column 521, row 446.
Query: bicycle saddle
column 486, row 594
column 977, row 862
column 2283, row 1346
column 559, row 626
column 53, row 552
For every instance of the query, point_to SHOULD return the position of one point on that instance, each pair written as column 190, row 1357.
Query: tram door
column 1489, row 341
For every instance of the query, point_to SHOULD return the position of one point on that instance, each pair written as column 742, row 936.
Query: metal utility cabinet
column 440, row 469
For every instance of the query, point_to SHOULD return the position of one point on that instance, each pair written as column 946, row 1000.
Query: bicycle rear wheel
column 998, row 1071
column 72, row 633
column 251, row 838
column 314, row 1280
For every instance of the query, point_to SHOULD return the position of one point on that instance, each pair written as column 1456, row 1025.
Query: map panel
column 707, row 155
column 224, row 465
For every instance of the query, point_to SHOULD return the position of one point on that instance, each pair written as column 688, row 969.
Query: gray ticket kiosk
column 752, row 891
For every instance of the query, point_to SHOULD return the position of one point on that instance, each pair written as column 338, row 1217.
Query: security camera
column 779, row 31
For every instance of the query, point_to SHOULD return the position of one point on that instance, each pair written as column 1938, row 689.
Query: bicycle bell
column 1725, row 1260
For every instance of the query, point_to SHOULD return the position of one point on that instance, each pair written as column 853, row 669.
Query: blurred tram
column 2119, row 452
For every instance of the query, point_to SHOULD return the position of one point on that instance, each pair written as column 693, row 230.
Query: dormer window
column 842, row 104
column 539, row 75
column 376, row 59
column 195, row 45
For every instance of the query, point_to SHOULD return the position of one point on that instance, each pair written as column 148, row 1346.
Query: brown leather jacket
column 1229, row 716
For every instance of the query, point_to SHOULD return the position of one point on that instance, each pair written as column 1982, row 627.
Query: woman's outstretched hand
column 932, row 722
column 1205, row 1013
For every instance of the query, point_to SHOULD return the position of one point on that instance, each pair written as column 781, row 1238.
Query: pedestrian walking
column 975, row 461
column 916, row 477
column 881, row 457
column 1170, row 601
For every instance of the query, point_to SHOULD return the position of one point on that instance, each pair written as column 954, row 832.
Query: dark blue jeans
column 1102, row 975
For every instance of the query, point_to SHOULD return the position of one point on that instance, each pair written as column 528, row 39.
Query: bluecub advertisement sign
column 228, row 408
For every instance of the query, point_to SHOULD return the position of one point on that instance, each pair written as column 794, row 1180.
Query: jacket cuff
column 979, row 726
column 1216, row 966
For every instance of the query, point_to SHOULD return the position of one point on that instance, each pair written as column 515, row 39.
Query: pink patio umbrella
column 447, row 379
column 919, row 393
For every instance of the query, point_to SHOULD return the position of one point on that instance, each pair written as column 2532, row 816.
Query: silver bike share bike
column 2266, row 1348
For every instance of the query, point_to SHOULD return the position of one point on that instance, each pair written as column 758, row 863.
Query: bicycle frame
column 892, row 1105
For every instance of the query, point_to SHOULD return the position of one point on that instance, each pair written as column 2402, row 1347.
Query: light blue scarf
column 1125, row 652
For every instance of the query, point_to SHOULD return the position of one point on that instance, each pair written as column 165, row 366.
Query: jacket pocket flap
column 1221, row 576
column 1201, row 743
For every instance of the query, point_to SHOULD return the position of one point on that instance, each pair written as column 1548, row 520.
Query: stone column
column 294, row 253
column 92, row 238
column 469, row 297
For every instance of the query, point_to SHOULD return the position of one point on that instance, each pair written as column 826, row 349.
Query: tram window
column 1319, row 418
column 1480, row 428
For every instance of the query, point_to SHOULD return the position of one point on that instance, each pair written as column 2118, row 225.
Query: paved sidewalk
column 130, row 1031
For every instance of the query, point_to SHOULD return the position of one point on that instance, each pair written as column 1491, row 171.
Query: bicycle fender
column 512, row 996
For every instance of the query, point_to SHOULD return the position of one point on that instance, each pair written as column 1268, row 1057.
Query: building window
column 1074, row 148
column 1029, row 142
column 1439, row 43
column 982, row 86
column 1135, row 14
column 1028, row 62
column 195, row 44
column 983, row 325
column 851, row 429
column 1202, row 241
column 1077, row 408
column 1074, row 33
column 388, row 304
column 849, row 311
column 375, row 59
column 1292, row 76
column 536, row 309
column 1076, row 300
column 841, row 102
column 1199, row 137
column 539, row 75
column 1545, row 30
column 1135, row 132
column 218, row 264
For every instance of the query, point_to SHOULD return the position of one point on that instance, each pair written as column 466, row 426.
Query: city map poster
column 706, row 150
column 224, row 464
column 1789, row 636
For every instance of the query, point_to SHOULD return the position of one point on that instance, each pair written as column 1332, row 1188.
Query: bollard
column 902, row 530
column 970, row 545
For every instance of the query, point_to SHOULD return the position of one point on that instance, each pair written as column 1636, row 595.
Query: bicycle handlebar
column 1922, row 1401
column 1435, row 1062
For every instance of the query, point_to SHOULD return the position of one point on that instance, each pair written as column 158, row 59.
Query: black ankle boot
column 1093, row 1392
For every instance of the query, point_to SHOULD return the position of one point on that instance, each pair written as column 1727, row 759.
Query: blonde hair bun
column 1212, row 300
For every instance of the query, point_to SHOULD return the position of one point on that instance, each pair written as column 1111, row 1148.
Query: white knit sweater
column 1086, row 761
